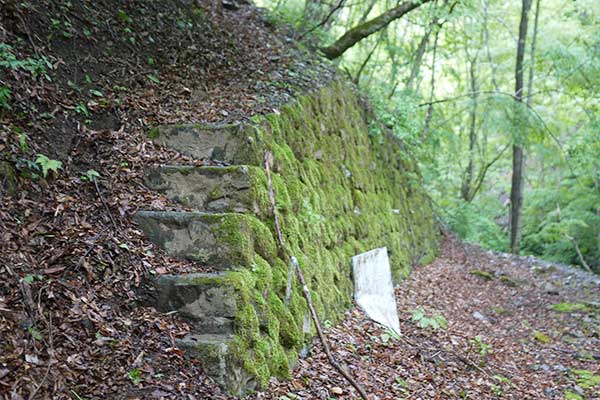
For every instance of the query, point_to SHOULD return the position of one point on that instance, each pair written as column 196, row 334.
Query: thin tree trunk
column 468, row 177
column 365, row 62
column 361, row 31
column 416, row 67
column 516, row 191
column 486, row 35
column 532, row 52
column 432, row 92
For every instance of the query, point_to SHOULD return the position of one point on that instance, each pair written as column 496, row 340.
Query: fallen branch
column 322, row 338
column 268, row 160
column 584, row 264
column 105, row 205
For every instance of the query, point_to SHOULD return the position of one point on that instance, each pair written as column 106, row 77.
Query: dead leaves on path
column 490, row 349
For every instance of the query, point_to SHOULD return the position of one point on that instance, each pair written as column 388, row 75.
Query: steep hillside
column 83, row 88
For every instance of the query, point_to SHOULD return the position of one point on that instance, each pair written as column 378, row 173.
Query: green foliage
column 570, row 307
column 37, row 66
column 481, row 346
column 586, row 379
column 5, row 93
column 541, row 337
column 135, row 375
column 90, row 175
column 558, row 220
column 47, row 164
column 425, row 321
column 475, row 222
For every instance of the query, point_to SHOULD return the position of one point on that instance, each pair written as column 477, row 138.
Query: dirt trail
column 517, row 328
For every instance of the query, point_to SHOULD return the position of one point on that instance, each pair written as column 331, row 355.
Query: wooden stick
column 330, row 356
column 268, row 159
column 105, row 205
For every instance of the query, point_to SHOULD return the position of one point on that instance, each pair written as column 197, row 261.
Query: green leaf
column 135, row 375
column 48, row 164
column 154, row 79
column 34, row 333
column 90, row 175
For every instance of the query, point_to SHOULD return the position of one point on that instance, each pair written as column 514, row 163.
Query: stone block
column 225, row 369
column 215, row 189
column 207, row 300
column 232, row 144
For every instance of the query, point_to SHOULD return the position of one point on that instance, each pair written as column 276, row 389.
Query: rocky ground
column 517, row 328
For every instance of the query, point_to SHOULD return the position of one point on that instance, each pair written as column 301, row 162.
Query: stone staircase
column 223, row 234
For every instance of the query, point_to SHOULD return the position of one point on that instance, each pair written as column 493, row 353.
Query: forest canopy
column 498, row 99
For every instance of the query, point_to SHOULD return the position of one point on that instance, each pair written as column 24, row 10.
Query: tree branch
column 359, row 32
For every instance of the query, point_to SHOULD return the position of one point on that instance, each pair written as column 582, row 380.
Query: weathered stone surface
column 219, row 189
column 225, row 369
column 234, row 144
column 206, row 300
column 221, row 241
column 8, row 178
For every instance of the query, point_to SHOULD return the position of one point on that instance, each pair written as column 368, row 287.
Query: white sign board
column 373, row 287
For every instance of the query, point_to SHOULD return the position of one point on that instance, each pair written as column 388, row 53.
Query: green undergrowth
column 339, row 192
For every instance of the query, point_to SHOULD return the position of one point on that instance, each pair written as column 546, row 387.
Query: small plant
column 90, row 175
column 135, row 375
column 570, row 307
column 586, row 379
column 481, row 346
column 82, row 109
column 37, row 66
column 5, row 97
column 541, row 337
column 424, row 321
column 35, row 333
column 47, row 164
column 572, row 396
column 387, row 335
column 22, row 140
column 154, row 79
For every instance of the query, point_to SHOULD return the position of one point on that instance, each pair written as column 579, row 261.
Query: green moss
column 8, row 177
column 154, row 133
column 335, row 190
column 570, row 307
column 482, row 274
column 215, row 194
column 541, row 337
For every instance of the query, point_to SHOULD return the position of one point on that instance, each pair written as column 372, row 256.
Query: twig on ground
column 105, row 205
column 268, row 160
column 323, row 340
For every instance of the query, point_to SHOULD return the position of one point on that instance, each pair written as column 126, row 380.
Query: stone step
column 206, row 300
column 232, row 144
column 212, row 350
column 216, row 189
column 221, row 241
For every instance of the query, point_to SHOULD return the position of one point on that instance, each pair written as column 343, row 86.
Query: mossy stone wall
column 339, row 192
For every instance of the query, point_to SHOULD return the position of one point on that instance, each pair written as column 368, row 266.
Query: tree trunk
column 359, row 32
column 416, row 67
column 468, row 177
column 429, row 114
column 532, row 52
column 516, row 190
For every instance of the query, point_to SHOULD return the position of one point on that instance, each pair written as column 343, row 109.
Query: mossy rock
column 486, row 276
column 8, row 178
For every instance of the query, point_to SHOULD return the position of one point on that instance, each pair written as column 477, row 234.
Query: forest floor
column 517, row 328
